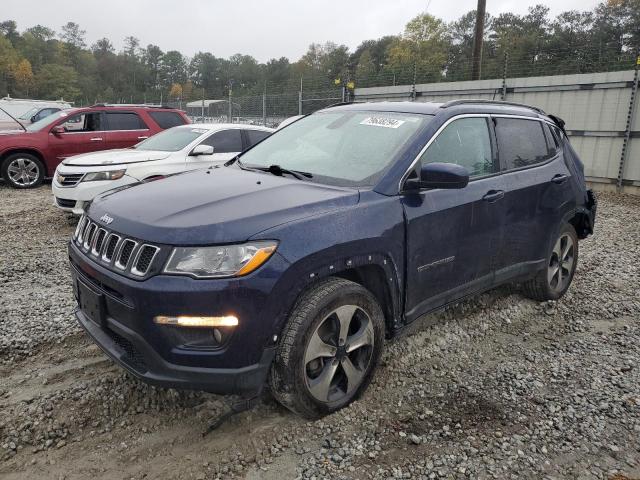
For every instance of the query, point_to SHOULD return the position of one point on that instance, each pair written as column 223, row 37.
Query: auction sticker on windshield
column 382, row 122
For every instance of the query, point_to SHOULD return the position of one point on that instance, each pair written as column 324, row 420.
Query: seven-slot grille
column 121, row 253
column 69, row 179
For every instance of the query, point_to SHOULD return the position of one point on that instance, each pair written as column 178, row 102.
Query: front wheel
column 23, row 170
column 330, row 347
column 553, row 281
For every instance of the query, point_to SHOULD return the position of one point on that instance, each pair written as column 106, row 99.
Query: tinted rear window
column 256, row 136
column 167, row 119
column 520, row 142
column 124, row 121
column 226, row 141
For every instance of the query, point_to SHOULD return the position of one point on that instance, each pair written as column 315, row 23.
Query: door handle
column 560, row 178
column 96, row 139
column 493, row 196
column 142, row 138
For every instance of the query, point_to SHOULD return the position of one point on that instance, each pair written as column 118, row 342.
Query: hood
column 115, row 157
column 14, row 132
column 216, row 205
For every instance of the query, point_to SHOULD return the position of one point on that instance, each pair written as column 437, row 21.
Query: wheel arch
column 375, row 280
column 375, row 272
column 31, row 151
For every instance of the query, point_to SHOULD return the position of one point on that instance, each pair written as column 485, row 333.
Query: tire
column 310, row 351
column 23, row 170
column 552, row 282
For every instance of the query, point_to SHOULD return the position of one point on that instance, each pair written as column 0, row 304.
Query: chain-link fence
column 271, row 103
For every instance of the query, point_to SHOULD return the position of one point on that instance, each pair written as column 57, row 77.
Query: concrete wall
column 594, row 106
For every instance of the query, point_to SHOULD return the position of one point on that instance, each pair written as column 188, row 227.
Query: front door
column 455, row 236
column 83, row 133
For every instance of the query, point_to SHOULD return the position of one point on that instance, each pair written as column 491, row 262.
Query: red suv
column 26, row 158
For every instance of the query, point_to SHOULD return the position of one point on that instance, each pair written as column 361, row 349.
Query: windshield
column 46, row 121
column 171, row 140
column 348, row 148
column 30, row 113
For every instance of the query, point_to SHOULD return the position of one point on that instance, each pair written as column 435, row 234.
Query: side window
column 557, row 135
column 125, row 121
column 227, row 141
column 520, row 142
column 464, row 142
column 256, row 136
column 45, row 113
column 552, row 142
column 84, row 122
column 167, row 119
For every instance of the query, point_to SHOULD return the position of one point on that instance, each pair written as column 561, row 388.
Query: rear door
column 226, row 145
column 537, row 191
column 454, row 236
column 125, row 129
column 84, row 132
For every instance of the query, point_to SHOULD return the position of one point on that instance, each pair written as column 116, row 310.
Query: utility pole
column 230, row 96
column 477, row 40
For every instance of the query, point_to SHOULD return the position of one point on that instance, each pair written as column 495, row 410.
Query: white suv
column 79, row 179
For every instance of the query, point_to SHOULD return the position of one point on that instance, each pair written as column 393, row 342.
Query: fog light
column 217, row 334
column 197, row 322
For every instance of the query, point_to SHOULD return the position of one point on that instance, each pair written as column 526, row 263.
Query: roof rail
column 453, row 103
column 147, row 105
column 340, row 104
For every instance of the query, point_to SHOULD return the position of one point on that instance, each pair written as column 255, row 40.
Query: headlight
column 108, row 175
column 222, row 261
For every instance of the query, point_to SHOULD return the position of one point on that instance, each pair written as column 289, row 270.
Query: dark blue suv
column 290, row 264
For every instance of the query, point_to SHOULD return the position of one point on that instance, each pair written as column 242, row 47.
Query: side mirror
column 439, row 175
column 202, row 150
column 34, row 119
column 58, row 130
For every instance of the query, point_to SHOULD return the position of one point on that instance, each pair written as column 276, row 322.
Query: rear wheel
column 553, row 282
column 329, row 349
column 23, row 170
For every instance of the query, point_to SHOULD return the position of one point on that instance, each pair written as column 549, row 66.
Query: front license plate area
column 91, row 303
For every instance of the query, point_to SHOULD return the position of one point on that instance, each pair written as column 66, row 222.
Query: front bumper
column 164, row 355
column 75, row 198
column 132, row 352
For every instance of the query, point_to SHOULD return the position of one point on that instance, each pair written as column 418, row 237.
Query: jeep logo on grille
column 106, row 219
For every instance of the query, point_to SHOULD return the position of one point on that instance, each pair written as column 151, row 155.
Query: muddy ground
column 498, row 387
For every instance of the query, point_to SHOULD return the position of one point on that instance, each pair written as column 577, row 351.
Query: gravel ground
column 498, row 387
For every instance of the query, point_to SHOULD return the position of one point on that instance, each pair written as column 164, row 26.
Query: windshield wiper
column 278, row 170
column 235, row 159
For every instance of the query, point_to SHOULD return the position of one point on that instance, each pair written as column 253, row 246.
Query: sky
column 263, row 29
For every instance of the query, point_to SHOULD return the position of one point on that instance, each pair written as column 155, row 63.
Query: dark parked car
column 291, row 264
column 27, row 157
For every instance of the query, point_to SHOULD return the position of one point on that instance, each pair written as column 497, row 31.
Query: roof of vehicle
column 426, row 108
column 433, row 108
column 223, row 126
column 141, row 106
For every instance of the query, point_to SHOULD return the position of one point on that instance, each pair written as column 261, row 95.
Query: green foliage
column 57, row 81
column 39, row 62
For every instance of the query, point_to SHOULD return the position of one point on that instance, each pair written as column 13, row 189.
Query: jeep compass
column 289, row 265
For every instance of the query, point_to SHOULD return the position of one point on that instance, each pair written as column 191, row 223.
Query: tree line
column 42, row 63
